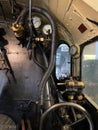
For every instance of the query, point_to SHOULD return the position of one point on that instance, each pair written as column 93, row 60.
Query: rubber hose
column 21, row 20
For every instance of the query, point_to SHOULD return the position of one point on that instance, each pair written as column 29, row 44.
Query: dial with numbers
column 36, row 21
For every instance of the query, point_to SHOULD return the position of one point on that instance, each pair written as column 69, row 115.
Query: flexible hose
column 21, row 20
column 46, row 62
column 34, row 57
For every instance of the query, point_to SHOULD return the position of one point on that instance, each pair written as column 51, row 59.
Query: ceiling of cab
column 77, row 16
column 92, row 3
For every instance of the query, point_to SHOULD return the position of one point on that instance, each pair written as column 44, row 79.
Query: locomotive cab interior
column 48, row 65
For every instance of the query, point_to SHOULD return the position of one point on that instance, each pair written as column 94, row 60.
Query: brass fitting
column 80, row 84
column 80, row 97
column 39, row 39
column 18, row 29
column 70, row 97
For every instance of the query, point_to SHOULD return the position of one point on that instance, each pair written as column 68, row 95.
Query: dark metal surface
column 28, row 76
column 27, row 73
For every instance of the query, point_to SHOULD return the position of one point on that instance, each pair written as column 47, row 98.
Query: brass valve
column 18, row 29
column 39, row 39
column 80, row 97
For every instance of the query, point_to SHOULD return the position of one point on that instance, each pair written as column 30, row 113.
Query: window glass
column 90, row 70
column 62, row 61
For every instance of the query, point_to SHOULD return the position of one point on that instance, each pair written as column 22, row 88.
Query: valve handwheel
column 66, row 121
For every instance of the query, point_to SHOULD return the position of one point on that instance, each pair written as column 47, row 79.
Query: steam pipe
column 21, row 21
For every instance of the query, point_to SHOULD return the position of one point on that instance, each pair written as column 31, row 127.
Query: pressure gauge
column 36, row 21
column 74, row 50
column 47, row 29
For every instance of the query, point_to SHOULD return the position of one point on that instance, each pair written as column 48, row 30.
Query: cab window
column 90, row 70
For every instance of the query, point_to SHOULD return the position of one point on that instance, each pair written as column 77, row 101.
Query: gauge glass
column 36, row 21
column 47, row 29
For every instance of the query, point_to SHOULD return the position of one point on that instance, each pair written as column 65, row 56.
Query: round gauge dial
column 36, row 21
column 47, row 29
column 73, row 50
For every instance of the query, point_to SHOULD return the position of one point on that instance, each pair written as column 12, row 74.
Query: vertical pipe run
column 21, row 21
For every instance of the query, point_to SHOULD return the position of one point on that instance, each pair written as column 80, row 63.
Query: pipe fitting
column 17, row 29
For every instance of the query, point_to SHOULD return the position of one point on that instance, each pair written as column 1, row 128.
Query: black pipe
column 34, row 57
column 21, row 21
